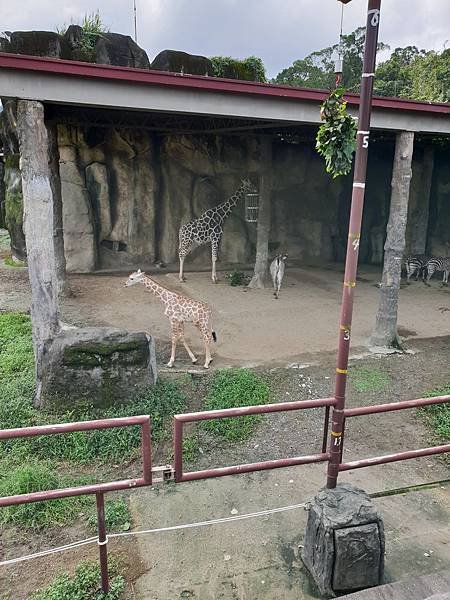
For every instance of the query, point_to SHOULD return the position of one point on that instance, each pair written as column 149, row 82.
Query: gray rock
column 102, row 366
column 121, row 50
column 182, row 62
column 14, row 206
column 344, row 541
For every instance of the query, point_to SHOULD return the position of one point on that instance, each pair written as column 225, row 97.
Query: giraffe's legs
column 178, row 336
column 214, row 255
column 176, row 329
column 188, row 350
column 207, row 336
column 181, row 276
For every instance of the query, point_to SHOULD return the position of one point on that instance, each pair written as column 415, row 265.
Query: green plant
column 368, row 380
column 10, row 262
column 336, row 138
column 190, row 448
column 237, row 278
column 248, row 69
column 117, row 516
column 38, row 476
column 93, row 28
column 438, row 415
column 85, row 584
column 231, row 388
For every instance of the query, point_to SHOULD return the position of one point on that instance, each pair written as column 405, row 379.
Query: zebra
column 416, row 264
column 439, row 264
column 277, row 272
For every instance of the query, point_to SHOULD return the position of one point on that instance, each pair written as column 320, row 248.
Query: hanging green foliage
column 336, row 138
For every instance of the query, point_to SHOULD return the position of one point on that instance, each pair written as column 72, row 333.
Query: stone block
column 344, row 541
column 97, row 365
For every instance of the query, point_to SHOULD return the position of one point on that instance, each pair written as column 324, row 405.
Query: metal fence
column 175, row 471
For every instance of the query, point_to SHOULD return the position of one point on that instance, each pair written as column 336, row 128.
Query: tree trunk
column 39, row 230
column 58, row 237
column 419, row 204
column 260, row 276
column 385, row 332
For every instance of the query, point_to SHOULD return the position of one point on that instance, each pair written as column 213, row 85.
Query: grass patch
column 10, row 262
column 437, row 416
column 369, row 380
column 232, row 388
column 85, row 584
column 38, row 476
column 117, row 516
column 161, row 402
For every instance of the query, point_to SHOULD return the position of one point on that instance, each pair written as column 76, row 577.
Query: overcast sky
column 278, row 31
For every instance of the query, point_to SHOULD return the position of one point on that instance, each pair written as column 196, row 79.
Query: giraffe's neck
column 155, row 288
column 226, row 207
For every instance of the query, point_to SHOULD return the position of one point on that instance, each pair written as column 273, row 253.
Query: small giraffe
column 277, row 272
column 209, row 228
column 179, row 310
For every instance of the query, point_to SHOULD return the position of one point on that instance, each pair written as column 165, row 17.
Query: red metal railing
column 179, row 420
column 98, row 489
column 398, row 456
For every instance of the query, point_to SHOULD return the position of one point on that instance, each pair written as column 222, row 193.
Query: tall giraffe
column 209, row 228
column 179, row 310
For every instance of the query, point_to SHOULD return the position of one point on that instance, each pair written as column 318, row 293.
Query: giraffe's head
column 247, row 186
column 134, row 278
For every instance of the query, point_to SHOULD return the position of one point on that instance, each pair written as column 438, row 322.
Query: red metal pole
column 146, row 452
column 102, row 541
column 351, row 262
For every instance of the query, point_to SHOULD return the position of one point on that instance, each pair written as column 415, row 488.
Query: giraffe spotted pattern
column 179, row 310
column 209, row 228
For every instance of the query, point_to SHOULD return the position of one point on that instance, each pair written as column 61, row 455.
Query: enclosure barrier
column 207, row 415
column 388, row 458
column 176, row 471
column 98, row 489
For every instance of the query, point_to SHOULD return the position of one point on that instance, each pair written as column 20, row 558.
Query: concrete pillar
column 385, row 331
column 39, row 229
column 261, row 274
column 344, row 541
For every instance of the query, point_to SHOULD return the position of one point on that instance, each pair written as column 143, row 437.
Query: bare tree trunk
column 39, row 229
column 385, row 332
column 58, row 237
column 260, row 276
column 419, row 204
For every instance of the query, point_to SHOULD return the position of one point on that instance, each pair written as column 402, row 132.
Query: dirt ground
column 252, row 327
column 259, row 559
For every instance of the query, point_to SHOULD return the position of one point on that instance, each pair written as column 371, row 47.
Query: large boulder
column 121, row 50
column 101, row 366
column 34, row 43
column 182, row 62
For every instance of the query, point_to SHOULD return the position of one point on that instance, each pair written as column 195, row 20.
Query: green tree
column 394, row 76
column 317, row 69
column 430, row 77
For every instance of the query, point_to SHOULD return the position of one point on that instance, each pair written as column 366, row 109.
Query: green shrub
column 237, row 278
column 117, row 516
column 85, row 584
column 232, row 388
column 36, row 476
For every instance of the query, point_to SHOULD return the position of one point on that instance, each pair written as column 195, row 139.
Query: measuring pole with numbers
column 354, row 233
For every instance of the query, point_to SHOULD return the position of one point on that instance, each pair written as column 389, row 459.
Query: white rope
column 94, row 540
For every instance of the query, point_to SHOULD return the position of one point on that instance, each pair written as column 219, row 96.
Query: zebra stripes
column 417, row 264
column 438, row 265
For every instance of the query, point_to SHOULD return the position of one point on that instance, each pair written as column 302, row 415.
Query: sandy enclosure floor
column 252, row 327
